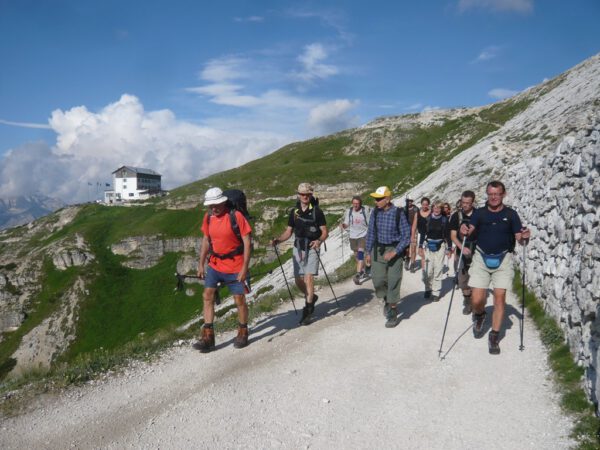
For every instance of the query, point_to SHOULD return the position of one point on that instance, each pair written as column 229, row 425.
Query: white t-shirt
column 360, row 222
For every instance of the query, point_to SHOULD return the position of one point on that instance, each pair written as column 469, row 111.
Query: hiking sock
column 242, row 325
column 208, row 325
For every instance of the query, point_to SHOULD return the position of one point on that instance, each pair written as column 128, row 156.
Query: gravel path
column 345, row 381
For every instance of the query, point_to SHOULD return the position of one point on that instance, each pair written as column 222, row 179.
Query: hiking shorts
column 358, row 244
column 213, row 276
column 305, row 262
column 481, row 277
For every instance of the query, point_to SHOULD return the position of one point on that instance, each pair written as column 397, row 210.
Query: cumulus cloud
column 501, row 93
column 313, row 64
column 333, row 116
column 518, row 6
column 90, row 145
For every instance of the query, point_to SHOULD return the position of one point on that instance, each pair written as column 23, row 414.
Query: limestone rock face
column 45, row 342
column 71, row 253
column 145, row 251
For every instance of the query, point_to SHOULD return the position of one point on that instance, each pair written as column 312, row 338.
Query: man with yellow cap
column 387, row 238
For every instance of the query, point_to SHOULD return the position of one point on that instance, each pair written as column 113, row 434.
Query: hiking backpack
column 362, row 210
column 444, row 224
column 236, row 201
column 308, row 227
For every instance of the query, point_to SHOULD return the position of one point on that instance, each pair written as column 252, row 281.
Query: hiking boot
column 466, row 305
column 493, row 343
column 407, row 264
column 207, row 340
column 435, row 298
column 413, row 267
column 392, row 317
column 307, row 311
column 306, row 314
column 427, row 294
column 478, row 321
column 386, row 308
column 241, row 340
column 363, row 277
column 356, row 278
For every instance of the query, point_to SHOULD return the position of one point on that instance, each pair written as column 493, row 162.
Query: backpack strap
column 236, row 230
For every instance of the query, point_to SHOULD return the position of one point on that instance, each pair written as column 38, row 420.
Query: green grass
column 54, row 285
column 567, row 374
column 116, row 223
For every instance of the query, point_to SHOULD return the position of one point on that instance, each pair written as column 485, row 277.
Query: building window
column 131, row 194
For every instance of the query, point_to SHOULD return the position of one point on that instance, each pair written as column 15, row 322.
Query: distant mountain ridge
column 15, row 211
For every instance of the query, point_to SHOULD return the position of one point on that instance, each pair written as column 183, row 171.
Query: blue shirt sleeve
column 404, row 235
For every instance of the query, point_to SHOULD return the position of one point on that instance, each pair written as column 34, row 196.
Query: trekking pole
column 452, row 296
column 285, row 278
column 326, row 276
column 342, row 240
column 521, row 346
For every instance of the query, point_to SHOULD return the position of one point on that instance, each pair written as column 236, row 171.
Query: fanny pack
column 434, row 244
column 492, row 261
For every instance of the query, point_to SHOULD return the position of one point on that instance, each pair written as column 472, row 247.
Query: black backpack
column 306, row 228
column 236, row 201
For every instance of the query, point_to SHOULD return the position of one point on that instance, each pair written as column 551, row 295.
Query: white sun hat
column 214, row 196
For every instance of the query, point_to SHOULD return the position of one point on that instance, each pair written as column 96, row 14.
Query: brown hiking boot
column 241, row 340
column 207, row 340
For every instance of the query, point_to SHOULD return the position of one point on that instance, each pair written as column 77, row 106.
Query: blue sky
column 189, row 87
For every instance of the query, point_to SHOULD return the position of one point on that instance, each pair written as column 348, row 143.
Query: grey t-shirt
column 357, row 222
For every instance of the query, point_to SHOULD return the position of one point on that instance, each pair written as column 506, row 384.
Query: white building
column 133, row 183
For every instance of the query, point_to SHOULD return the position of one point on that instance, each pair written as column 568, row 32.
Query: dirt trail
column 345, row 381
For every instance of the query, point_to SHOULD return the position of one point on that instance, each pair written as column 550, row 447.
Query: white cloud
column 518, row 6
column 254, row 19
column 90, row 145
column 224, row 69
column 25, row 124
column 333, row 116
column 313, row 64
column 487, row 54
column 501, row 93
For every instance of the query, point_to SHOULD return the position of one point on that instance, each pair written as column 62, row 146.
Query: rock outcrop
column 145, row 251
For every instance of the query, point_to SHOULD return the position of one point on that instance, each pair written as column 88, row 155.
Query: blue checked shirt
column 387, row 233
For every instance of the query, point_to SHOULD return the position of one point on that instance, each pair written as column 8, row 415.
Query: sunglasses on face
column 304, row 195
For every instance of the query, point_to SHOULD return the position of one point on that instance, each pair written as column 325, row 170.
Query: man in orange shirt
column 228, row 260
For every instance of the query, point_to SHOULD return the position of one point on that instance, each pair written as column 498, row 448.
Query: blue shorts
column 213, row 276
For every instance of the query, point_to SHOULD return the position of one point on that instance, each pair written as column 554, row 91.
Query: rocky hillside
column 98, row 277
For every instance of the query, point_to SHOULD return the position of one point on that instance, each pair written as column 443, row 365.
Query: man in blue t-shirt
column 498, row 228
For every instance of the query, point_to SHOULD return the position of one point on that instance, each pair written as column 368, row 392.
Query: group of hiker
column 385, row 240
